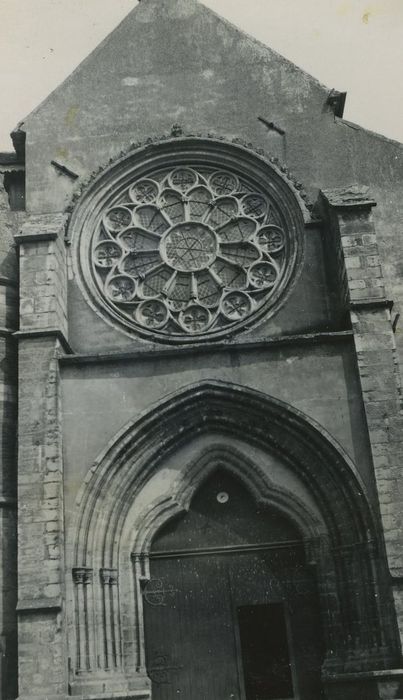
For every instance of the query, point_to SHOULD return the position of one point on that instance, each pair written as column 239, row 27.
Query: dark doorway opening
column 265, row 652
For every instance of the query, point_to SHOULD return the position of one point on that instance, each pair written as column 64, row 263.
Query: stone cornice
column 42, row 227
column 152, row 351
column 45, row 333
column 29, row 606
column 369, row 304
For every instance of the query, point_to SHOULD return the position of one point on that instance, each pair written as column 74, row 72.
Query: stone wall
column 43, row 324
column 8, row 435
column 175, row 61
column 89, row 394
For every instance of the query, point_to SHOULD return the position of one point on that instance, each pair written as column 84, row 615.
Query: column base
column 114, row 686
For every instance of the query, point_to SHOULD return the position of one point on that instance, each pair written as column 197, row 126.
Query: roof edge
column 369, row 132
column 89, row 56
column 224, row 21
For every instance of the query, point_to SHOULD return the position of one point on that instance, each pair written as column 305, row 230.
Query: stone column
column 109, row 581
column 83, row 580
column 42, row 652
column 98, row 664
column 353, row 245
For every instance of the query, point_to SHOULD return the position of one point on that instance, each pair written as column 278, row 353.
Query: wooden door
column 230, row 609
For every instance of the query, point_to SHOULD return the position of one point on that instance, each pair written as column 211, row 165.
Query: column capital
column 109, row 577
column 82, row 575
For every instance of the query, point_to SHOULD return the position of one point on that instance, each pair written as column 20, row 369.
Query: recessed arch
column 213, row 406
column 342, row 529
column 220, row 456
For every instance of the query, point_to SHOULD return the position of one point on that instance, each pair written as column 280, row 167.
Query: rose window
column 190, row 251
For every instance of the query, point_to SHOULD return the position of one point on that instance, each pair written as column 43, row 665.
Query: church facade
column 201, row 412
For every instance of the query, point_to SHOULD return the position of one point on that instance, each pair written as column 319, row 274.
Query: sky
column 355, row 46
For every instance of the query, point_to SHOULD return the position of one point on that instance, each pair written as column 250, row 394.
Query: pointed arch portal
column 230, row 606
column 223, row 496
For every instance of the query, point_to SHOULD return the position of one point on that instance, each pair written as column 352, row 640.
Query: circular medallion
column 222, row 497
column 182, row 179
column 263, row 275
column 271, row 239
column 152, row 314
column 121, row 288
column 117, row 219
column 223, row 182
column 144, row 192
column 195, row 319
column 236, row 305
column 189, row 246
column 107, row 254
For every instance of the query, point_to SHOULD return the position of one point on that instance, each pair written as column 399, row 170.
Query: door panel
column 190, row 637
column 194, row 645
column 281, row 576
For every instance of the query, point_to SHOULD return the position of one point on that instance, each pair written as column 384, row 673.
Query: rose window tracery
column 190, row 251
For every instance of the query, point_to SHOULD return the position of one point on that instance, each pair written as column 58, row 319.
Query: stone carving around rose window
column 189, row 252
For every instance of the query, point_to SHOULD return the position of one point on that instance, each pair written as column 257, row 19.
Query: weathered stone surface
column 9, row 222
column 114, row 442
column 192, row 67
column 43, row 274
column 42, row 668
column 354, row 195
column 381, row 385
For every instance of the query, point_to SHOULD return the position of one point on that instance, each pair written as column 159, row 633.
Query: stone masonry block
column 353, row 262
column 357, row 284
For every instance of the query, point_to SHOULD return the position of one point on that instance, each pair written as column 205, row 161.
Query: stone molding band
column 368, row 304
column 39, row 606
column 149, row 353
column 55, row 333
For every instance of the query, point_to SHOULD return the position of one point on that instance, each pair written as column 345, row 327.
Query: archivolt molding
column 133, row 457
column 356, row 605
column 84, row 184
